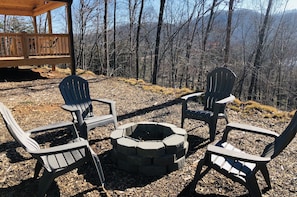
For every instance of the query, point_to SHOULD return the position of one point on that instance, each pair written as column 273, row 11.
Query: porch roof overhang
column 30, row 7
column 35, row 8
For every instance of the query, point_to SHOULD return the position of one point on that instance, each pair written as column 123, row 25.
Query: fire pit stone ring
column 149, row 148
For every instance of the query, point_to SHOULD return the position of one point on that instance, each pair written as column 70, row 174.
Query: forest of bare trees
column 175, row 43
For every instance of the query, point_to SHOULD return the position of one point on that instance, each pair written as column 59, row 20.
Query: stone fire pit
column 149, row 148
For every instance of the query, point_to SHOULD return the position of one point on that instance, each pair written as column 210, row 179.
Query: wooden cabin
column 17, row 49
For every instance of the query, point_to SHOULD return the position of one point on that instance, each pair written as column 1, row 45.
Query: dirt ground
column 37, row 102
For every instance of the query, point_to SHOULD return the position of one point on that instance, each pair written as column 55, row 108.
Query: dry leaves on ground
column 37, row 102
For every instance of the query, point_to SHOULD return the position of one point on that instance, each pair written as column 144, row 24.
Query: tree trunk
column 205, row 38
column 190, row 38
column 106, row 51
column 253, row 91
column 156, row 61
column 228, row 32
column 137, row 39
column 79, row 58
column 132, row 9
column 114, row 36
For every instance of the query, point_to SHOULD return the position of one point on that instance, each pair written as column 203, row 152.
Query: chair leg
column 98, row 167
column 83, row 132
column 115, row 123
column 198, row 175
column 44, row 183
column 265, row 173
column 183, row 117
column 226, row 118
column 74, row 131
column 212, row 132
column 182, row 122
column 226, row 132
column 253, row 187
column 38, row 167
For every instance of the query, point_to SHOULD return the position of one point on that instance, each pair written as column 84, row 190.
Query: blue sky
column 153, row 6
column 280, row 4
column 292, row 4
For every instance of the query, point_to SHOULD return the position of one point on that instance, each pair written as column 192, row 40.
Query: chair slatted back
column 16, row 132
column 75, row 92
column 280, row 143
column 220, row 83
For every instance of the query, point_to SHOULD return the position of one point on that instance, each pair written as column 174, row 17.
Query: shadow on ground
column 124, row 180
column 28, row 187
column 148, row 109
column 17, row 75
column 185, row 193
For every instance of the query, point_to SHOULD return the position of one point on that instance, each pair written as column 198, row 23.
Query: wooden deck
column 18, row 49
column 33, row 60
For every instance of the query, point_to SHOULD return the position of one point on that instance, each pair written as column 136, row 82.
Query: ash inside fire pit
column 149, row 148
column 145, row 132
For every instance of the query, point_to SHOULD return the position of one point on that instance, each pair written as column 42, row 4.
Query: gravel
column 37, row 102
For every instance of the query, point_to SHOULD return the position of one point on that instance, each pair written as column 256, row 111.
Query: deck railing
column 26, row 45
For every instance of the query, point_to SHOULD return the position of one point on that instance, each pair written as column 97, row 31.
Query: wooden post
column 35, row 24
column 25, row 45
column 50, row 31
column 70, row 32
column 35, row 41
column 49, row 20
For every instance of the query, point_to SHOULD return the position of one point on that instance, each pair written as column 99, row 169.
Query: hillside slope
column 35, row 103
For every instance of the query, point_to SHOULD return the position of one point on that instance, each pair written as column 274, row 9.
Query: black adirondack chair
column 220, row 83
column 56, row 160
column 76, row 94
column 240, row 166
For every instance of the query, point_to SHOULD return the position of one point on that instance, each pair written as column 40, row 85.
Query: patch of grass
column 248, row 107
column 156, row 88
column 252, row 105
column 267, row 111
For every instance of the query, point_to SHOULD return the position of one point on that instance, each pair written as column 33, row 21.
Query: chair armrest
column 106, row 101
column 197, row 94
column 111, row 103
column 53, row 126
column 218, row 104
column 61, row 148
column 69, row 108
column 75, row 110
column 228, row 99
column 236, row 154
column 247, row 128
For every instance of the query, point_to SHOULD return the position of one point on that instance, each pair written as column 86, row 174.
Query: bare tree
column 114, row 34
column 175, row 44
column 245, row 52
column 228, row 32
column 253, row 91
column 205, row 35
column 86, row 8
column 156, row 60
column 185, row 75
column 137, row 38
column 106, row 44
column 132, row 13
